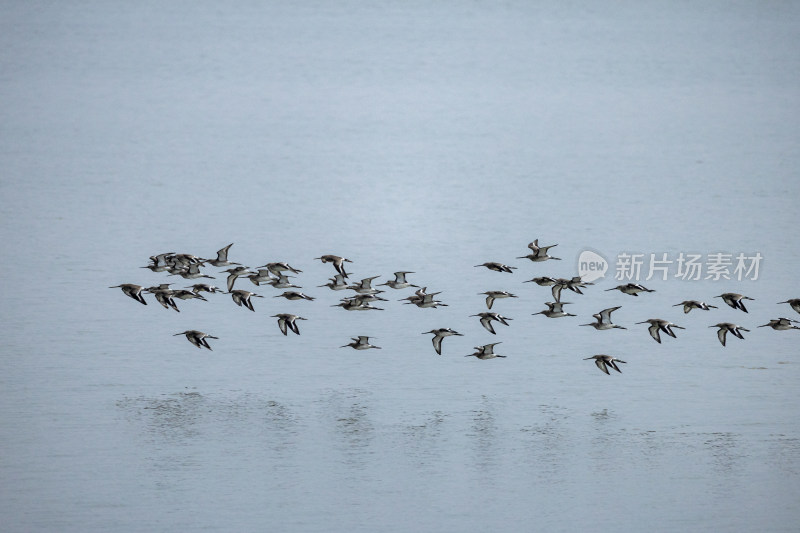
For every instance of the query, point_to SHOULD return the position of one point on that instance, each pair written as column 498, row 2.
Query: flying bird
column 439, row 335
column 631, row 288
column 485, row 352
column 603, row 320
column 688, row 305
column 657, row 325
column 725, row 327
column 361, row 343
column 288, row 321
column 604, row 361
column 198, row 338
column 134, row 291
column 734, row 300
column 491, row 296
column 486, row 320
column 781, row 324
column 497, row 267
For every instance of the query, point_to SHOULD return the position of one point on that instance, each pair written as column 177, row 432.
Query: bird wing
column 486, row 322
column 437, row 344
column 556, row 290
column 736, row 332
column 282, row 325
column 601, row 365
column 605, row 314
column 654, row 333
column 222, row 254
column 721, row 334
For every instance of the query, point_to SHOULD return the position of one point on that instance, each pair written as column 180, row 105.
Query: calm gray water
column 410, row 136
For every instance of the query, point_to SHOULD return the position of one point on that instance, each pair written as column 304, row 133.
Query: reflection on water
column 547, row 442
column 354, row 439
column 784, row 453
column 423, row 443
column 346, row 414
column 173, row 419
column 724, row 448
column 483, row 435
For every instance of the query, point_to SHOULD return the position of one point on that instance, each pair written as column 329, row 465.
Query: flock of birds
column 364, row 295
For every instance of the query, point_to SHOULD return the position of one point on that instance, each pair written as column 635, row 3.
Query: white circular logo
column 591, row 266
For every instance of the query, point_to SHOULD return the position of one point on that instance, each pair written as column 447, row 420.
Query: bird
column 603, row 320
column 794, row 302
column 161, row 259
column 575, row 284
column 485, row 352
column 292, row 295
column 354, row 304
column 282, row 282
column 361, row 343
column 497, row 267
column 164, row 297
column 262, row 275
column 288, row 321
column 543, row 281
column 242, row 298
column 198, row 338
column 424, row 300
column 439, row 335
column 725, row 327
column 364, row 298
column 184, row 259
column 486, row 320
column 399, row 281
column 539, row 253
column 204, row 287
column 192, row 272
column 364, row 286
column 688, row 305
column 781, row 324
column 277, row 268
column 419, row 294
column 657, row 325
column 234, row 273
column 554, row 310
column 185, row 294
column 132, row 290
column 156, row 267
column 604, row 361
column 631, row 288
column 427, row 301
column 176, row 269
column 338, row 263
column 734, row 300
column 222, row 258
column 336, row 283
column 491, row 296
